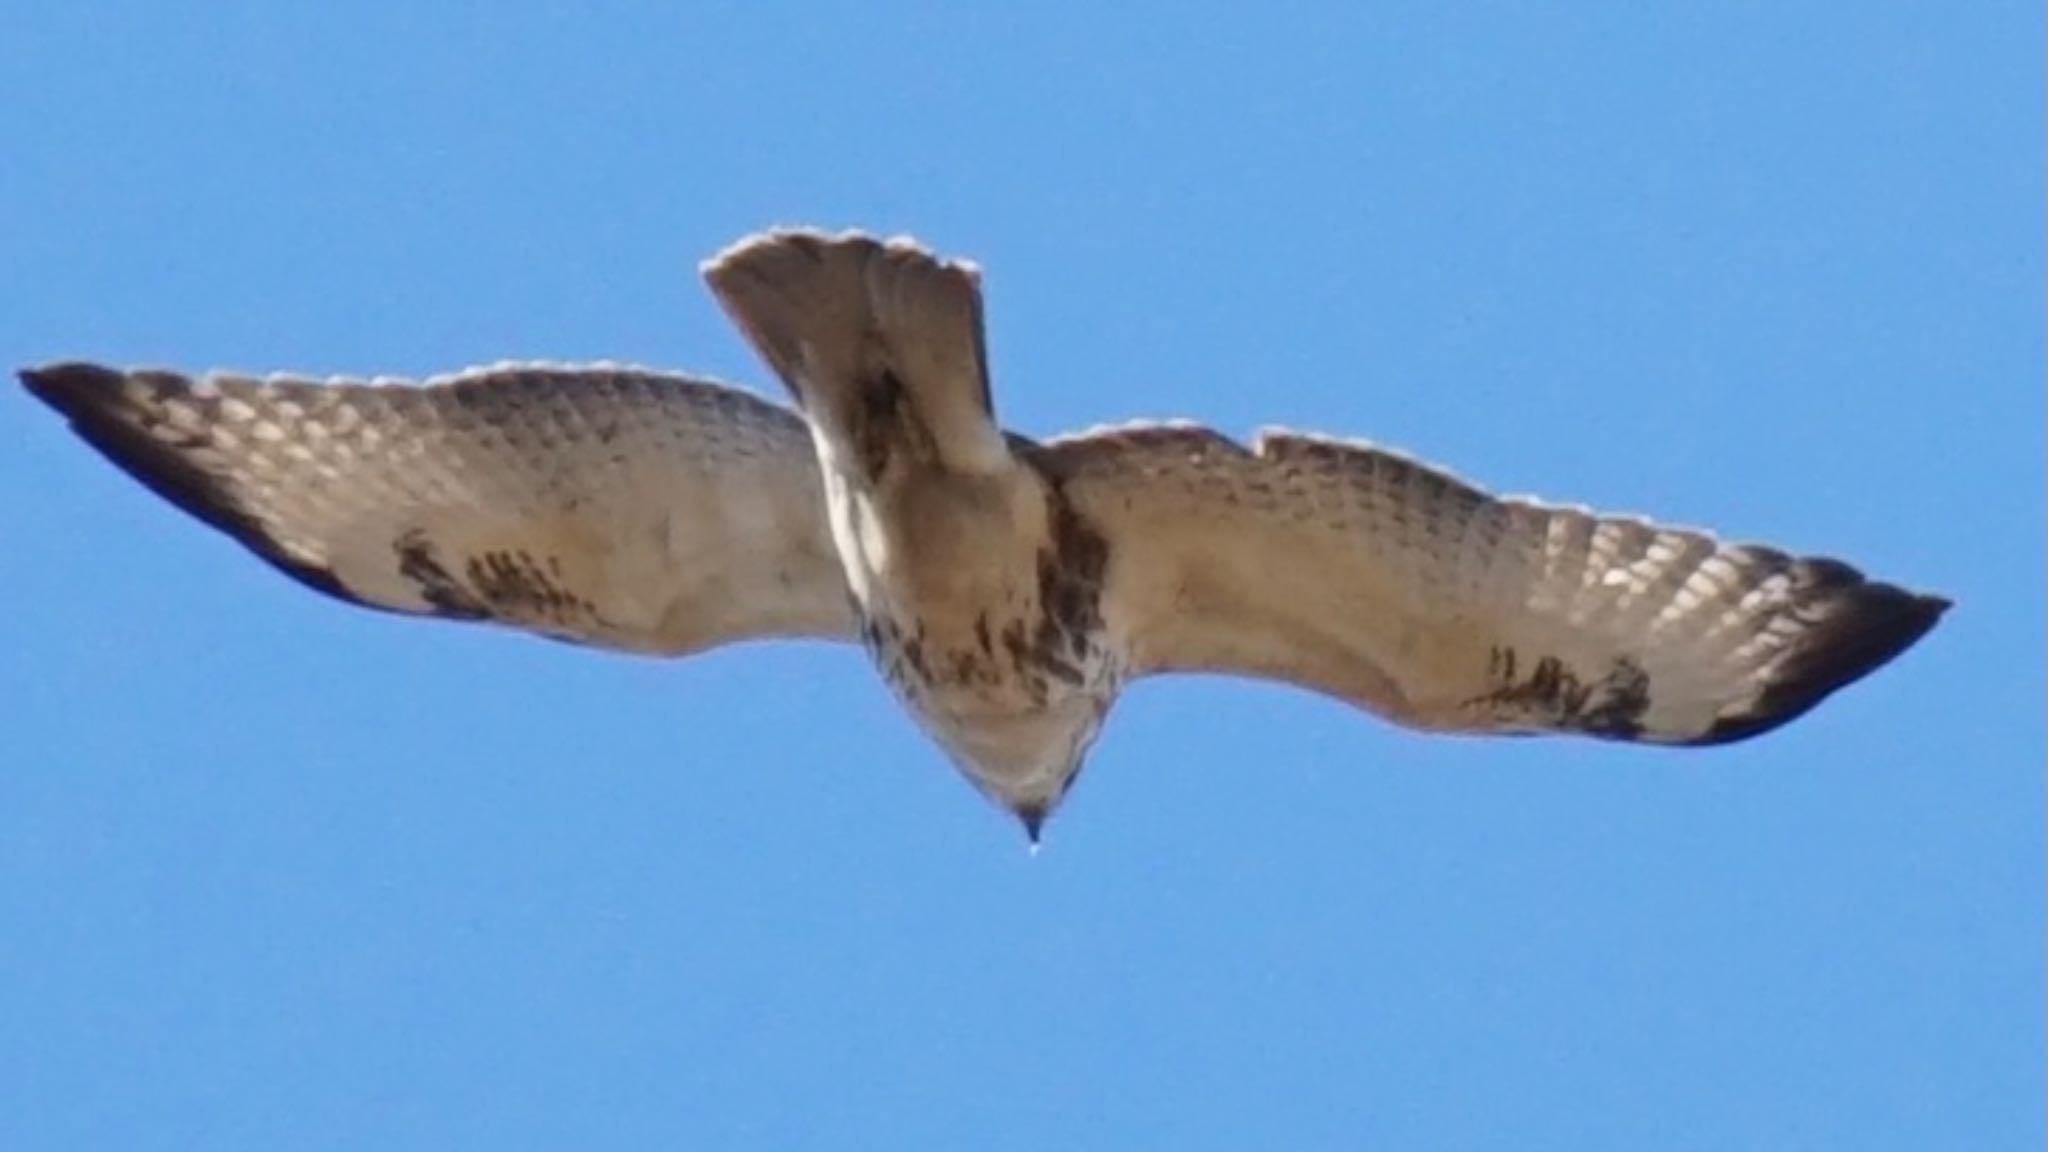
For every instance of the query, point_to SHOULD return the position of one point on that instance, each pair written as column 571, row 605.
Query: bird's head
column 1028, row 761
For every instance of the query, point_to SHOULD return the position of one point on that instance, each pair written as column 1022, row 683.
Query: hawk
column 1007, row 589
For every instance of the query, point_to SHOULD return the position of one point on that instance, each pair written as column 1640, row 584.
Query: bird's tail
column 880, row 342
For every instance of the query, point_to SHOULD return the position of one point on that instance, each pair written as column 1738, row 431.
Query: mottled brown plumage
column 1006, row 589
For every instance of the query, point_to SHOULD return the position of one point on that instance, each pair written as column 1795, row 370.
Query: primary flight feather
column 1006, row 589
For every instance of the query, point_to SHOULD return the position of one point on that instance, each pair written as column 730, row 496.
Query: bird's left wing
column 600, row 504
column 1370, row 577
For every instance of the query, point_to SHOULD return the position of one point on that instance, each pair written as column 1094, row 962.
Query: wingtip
column 66, row 384
column 91, row 400
column 1878, row 625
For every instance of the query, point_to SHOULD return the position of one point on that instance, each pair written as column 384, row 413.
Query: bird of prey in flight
column 1007, row 589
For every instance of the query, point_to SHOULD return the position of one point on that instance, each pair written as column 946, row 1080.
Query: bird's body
column 983, row 626
column 977, row 589
column 1006, row 589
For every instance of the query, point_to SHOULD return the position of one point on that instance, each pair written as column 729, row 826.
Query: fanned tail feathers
column 880, row 342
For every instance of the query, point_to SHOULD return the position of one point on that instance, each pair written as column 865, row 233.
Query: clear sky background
column 279, row 873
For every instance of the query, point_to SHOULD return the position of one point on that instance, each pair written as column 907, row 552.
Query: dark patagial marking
column 1500, row 664
column 419, row 563
column 1618, row 701
column 519, row 588
column 1070, row 576
column 1611, row 706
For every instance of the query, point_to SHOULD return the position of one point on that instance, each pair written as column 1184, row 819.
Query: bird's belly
column 1010, row 700
column 984, row 627
column 985, row 667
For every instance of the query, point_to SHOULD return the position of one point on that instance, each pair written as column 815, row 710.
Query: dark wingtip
column 92, row 399
column 68, row 385
column 1879, row 622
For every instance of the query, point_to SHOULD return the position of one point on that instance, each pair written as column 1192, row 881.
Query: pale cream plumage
column 1366, row 575
column 608, row 505
column 1007, row 589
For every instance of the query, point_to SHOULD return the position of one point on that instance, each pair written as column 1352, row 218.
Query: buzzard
column 1007, row 588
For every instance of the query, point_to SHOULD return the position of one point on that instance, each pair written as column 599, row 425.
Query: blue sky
column 276, row 873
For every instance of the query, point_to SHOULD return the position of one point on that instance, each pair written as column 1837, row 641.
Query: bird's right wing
column 1374, row 578
column 599, row 504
